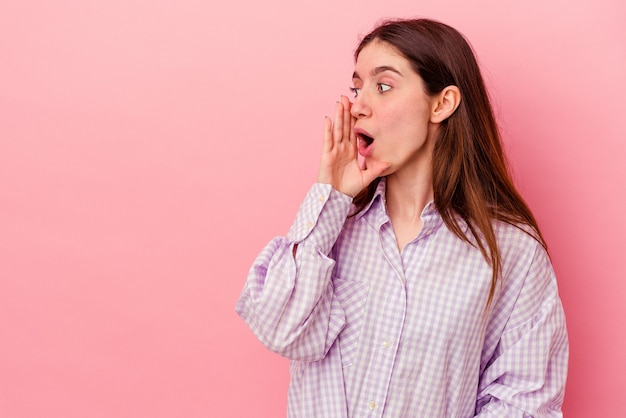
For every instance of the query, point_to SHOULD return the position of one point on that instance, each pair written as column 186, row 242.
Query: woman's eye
column 383, row 87
column 355, row 91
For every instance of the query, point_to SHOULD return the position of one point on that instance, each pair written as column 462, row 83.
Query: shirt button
column 386, row 343
column 309, row 225
column 371, row 405
column 322, row 198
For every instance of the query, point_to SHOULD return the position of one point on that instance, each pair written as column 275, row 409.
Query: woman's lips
column 365, row 145
column 364, row 148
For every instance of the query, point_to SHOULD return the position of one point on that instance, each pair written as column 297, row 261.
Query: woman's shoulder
column 516, row 235
column 519, row 245
column 509, row 233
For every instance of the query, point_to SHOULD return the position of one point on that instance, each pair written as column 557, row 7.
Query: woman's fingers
column 347, row 118
column 328, row 135
column 338, row 123
column 352, row 137
column 339, row 165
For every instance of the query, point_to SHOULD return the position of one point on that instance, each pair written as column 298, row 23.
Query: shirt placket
column 387, row 331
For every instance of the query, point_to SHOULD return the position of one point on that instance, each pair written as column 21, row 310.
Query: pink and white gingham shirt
column 373, row 332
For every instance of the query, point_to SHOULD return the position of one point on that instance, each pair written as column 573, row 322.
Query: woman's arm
column 288, row 299
column 526, row 373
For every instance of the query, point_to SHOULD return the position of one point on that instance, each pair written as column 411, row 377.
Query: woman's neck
column 407, row 194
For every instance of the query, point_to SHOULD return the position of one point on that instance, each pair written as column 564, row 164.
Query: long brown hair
column 470, row 174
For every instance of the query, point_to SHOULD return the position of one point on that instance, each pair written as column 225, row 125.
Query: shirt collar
column 377, row 199
column 376, row 210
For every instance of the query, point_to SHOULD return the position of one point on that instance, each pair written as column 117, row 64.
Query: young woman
column 414, row 281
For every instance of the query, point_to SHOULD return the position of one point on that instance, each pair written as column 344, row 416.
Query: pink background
column 149, row 149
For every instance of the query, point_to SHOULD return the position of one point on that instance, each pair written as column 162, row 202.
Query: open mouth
column 365, row 142
column 367, row 139
column 364, row 148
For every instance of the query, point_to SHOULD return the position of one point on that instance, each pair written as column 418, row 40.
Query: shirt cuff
column 321, row 217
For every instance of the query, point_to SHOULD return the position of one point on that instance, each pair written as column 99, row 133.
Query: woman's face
column 392, row 110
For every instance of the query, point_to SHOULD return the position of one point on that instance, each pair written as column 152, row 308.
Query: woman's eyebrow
column 377, row 71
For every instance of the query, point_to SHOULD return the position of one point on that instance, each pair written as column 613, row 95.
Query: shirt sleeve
column 526, row 372
column 287, row 300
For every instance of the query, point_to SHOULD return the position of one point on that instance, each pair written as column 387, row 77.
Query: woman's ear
column 445, row 103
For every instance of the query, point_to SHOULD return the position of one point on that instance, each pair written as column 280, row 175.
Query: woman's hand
column 339, row 166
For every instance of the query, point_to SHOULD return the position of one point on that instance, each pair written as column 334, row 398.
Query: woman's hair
column 470, row 174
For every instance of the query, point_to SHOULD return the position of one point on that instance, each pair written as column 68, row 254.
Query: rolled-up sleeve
column 287, row 300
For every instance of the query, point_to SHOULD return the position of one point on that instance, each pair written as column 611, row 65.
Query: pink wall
column 148, row 150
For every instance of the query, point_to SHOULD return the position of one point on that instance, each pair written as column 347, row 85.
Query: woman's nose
column 359, row 107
